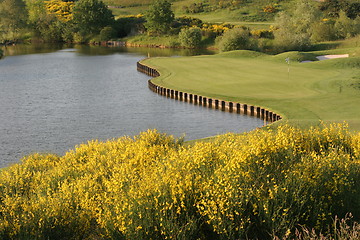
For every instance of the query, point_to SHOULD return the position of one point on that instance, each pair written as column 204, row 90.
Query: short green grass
column 326, row 90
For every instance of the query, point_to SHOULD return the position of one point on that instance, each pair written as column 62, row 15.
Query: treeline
column 279, row 183
column 55, row 20
column 298, row 28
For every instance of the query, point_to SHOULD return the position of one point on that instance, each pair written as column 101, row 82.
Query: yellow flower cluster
column 62, row 10
column 256, row 185
column 269, row 9
column 217, row 29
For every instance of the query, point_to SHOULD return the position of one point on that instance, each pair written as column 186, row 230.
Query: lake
column 53, row 98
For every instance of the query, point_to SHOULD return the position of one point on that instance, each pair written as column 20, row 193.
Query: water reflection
column 23, row 49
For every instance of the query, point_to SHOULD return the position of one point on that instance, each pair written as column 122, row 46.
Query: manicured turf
column 326, row 90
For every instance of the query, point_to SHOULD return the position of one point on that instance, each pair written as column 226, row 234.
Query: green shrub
column 187, row 21
column 353, row 10
column 324, row 31
column 194, row 8
column 107, row 33
column 79, row 38
column 190, row 37
column 346, row 27
column 234, row 39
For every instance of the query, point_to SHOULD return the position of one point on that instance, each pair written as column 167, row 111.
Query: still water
column 52, row 99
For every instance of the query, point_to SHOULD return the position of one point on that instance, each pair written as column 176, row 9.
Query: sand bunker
column 325, row 57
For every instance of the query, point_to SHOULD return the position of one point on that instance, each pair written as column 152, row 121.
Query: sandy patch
column 325, row 57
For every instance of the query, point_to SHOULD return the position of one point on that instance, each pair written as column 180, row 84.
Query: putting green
column 302, row 93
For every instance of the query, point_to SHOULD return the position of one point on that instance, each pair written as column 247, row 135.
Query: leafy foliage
column 345, row 27
column 159, row 17
column 190, row 37
column 294, row 28
column 353, row 11
column 13, row 19
column 90, row 16
column 62, row 10
column 107, row 33
column 234, row 39
column 258, row 185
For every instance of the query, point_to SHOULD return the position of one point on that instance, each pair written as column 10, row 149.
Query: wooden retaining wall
column 206, row 101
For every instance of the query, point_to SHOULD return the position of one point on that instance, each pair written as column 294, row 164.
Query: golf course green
column 303, row 93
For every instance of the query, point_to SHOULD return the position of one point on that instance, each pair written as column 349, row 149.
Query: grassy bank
column 303, row 93
column 212, row 11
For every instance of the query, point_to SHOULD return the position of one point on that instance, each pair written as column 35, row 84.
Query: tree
column 345, row 27
column 333, row 7
column 90, row 16
column 294, row 28
column 353, row 10
column 13, row 18
column 159, row 17
column 190, row 37
column 51, row 20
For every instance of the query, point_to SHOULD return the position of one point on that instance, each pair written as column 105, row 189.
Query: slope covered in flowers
column 257, row 185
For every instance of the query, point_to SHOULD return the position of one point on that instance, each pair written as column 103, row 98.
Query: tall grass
column 263, row 184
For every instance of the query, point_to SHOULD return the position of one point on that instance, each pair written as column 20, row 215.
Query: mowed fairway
column 326, row 90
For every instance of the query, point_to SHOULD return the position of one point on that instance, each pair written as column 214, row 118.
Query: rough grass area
column 238, row 13
column 170, row 41
column 303, row 93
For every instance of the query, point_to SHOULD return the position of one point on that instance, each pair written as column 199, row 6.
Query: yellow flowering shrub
column 260, row 185
column 62, row 10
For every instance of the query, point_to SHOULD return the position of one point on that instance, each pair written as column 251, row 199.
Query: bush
column 353, row 11
column 130, row 25
column 262, row 33
column 252, row 186
column 187, row 21
column 190, row 37
column 346, row 27
column 324, row 31
column 194, row 8
column 107, row 33
column 234, row 39
column 79, row 38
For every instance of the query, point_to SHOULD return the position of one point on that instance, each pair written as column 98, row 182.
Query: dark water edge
column 53, row 98
column 36, row 48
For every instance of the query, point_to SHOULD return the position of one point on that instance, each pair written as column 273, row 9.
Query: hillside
column 210, row 10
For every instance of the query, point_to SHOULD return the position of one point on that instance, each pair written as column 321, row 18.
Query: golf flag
column 288, row 62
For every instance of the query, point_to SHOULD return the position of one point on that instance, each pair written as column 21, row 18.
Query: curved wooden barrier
column 235, row 107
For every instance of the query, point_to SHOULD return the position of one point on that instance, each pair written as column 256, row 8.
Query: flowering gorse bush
column 261, row 184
